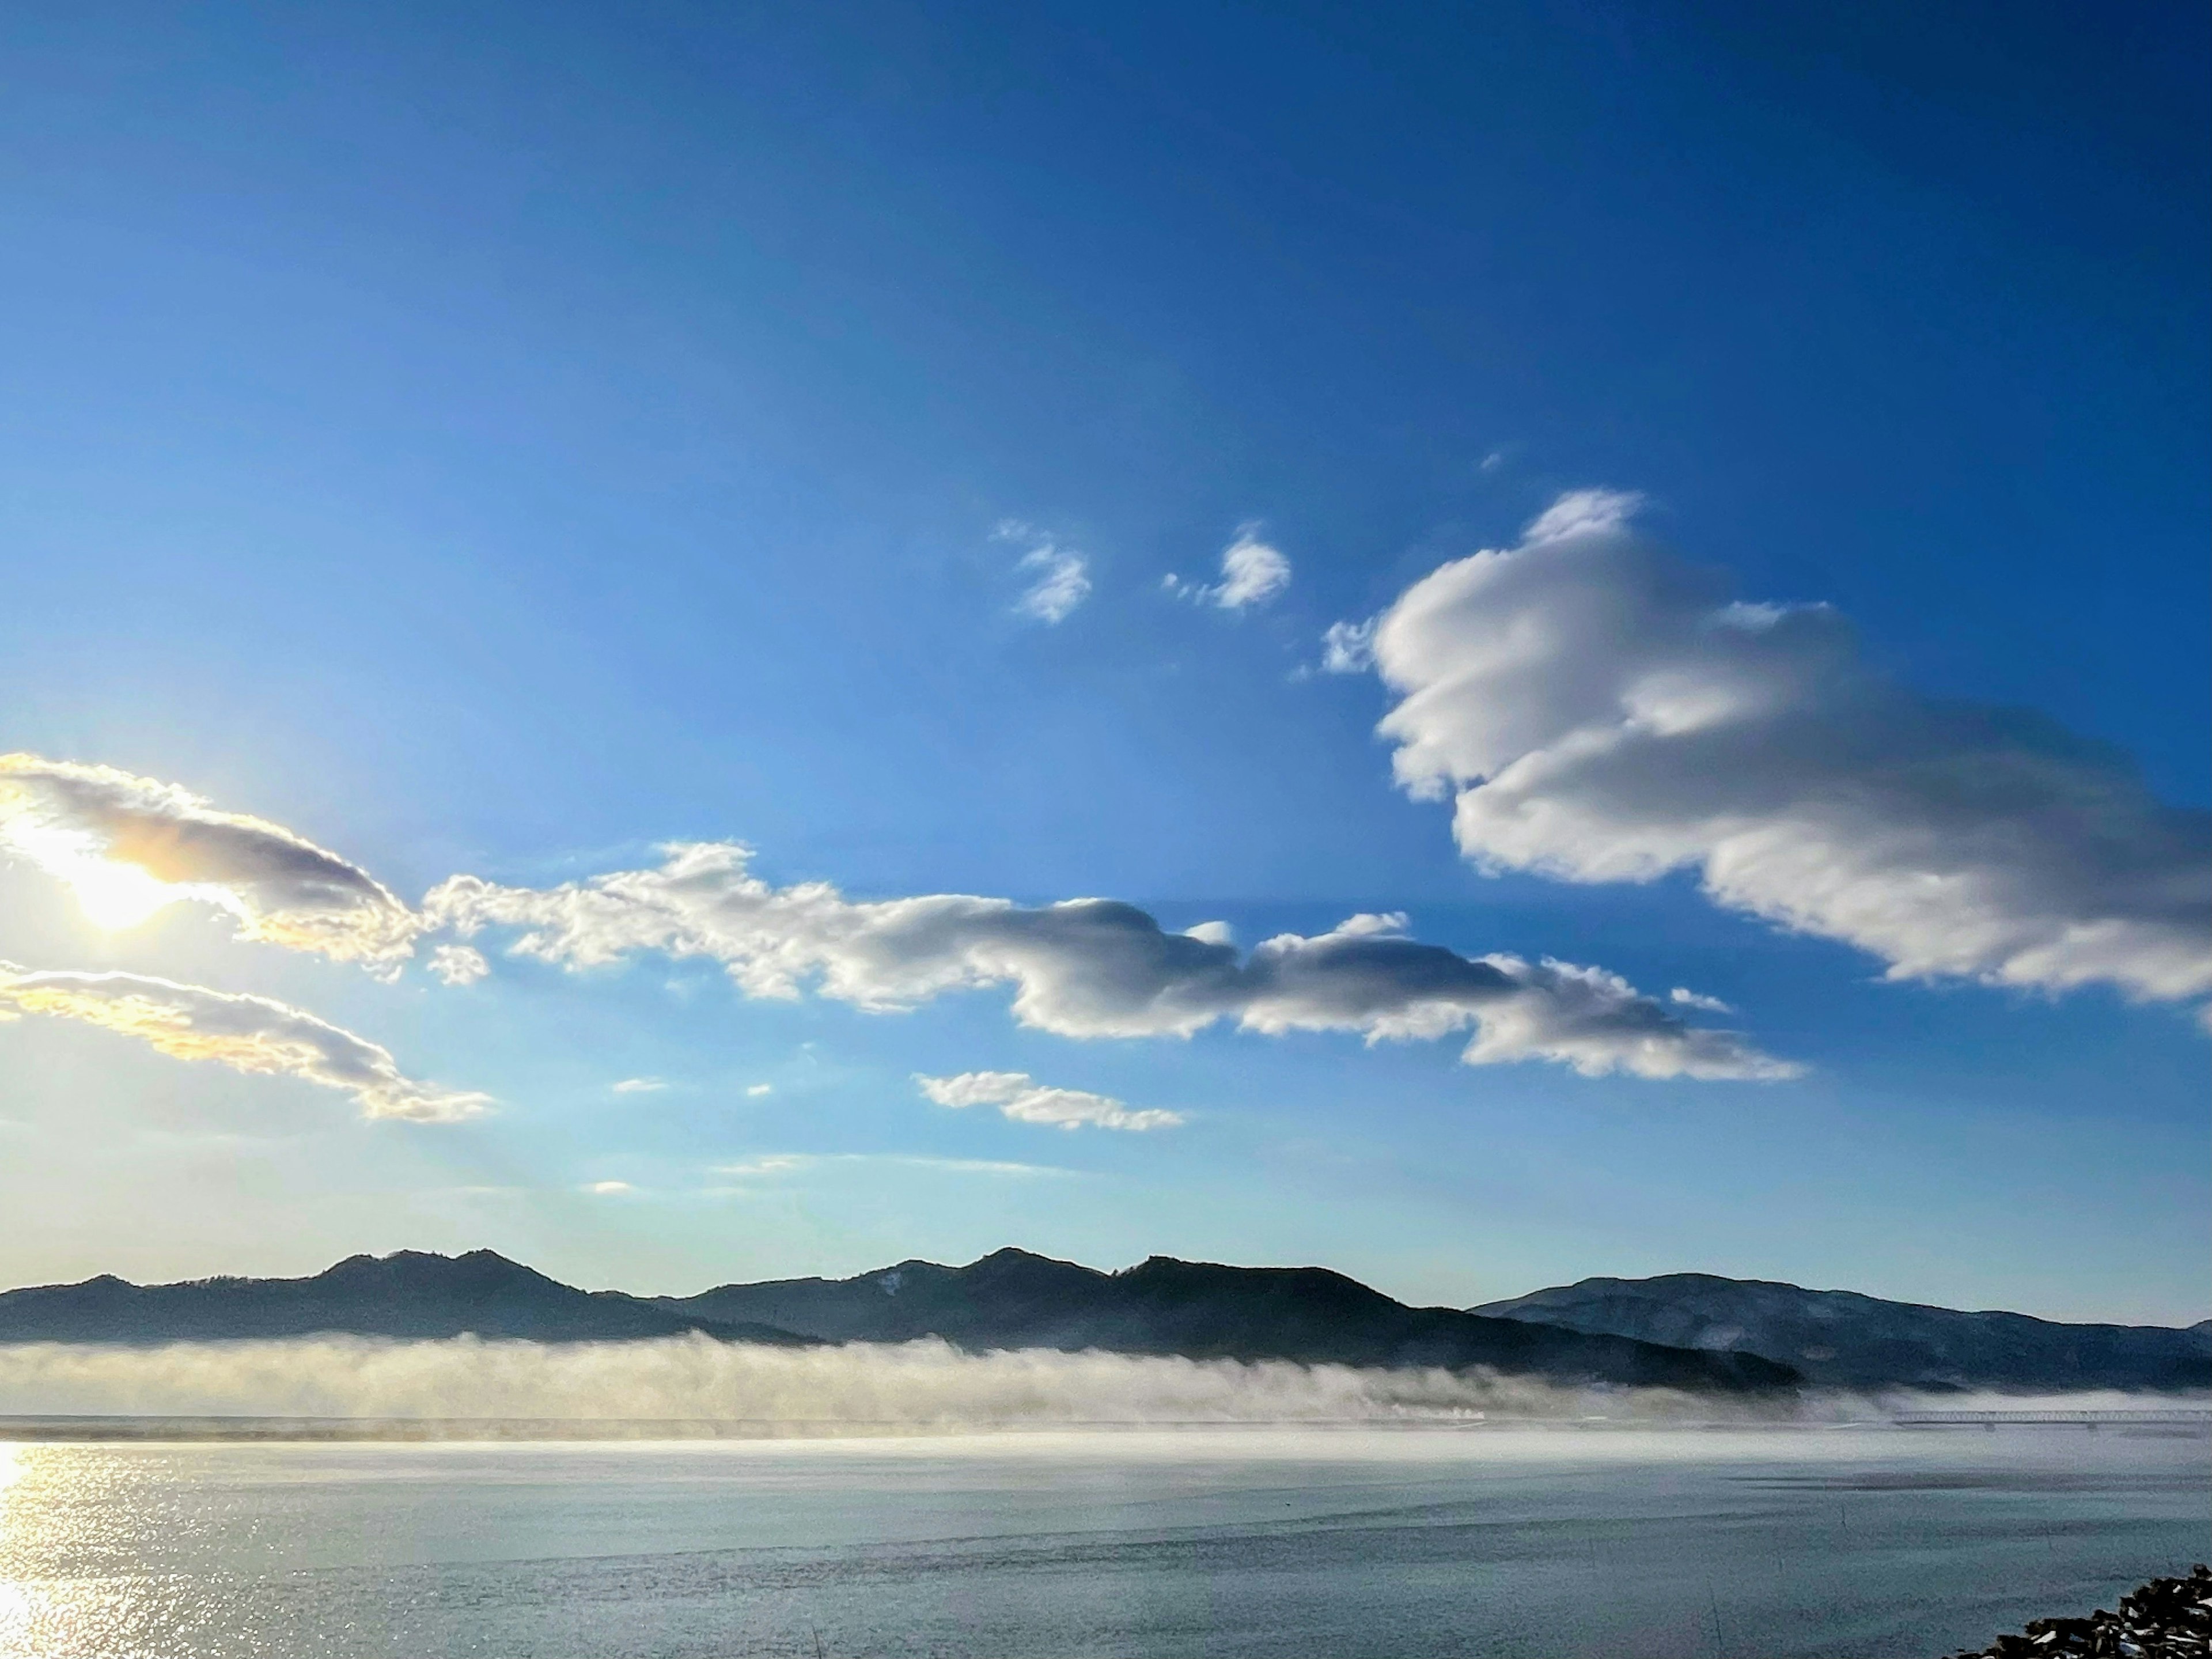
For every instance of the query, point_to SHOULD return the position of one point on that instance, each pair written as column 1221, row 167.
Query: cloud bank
column 1602, row 711
column 1023, row 1098
column 1252, row 572
column 1095, row 967
column 127, row 845
column 245, row 1033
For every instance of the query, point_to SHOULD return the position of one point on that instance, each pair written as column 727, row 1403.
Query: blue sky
column 503, row 445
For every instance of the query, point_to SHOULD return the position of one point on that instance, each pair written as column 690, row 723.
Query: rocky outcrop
column 2167, row 1619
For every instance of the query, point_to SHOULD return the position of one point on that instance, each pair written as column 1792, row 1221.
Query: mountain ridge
column 1202, row 1310
column 1691, row 1331
column 1846, row 1338
column 417, row 1294
column 1009, row 1299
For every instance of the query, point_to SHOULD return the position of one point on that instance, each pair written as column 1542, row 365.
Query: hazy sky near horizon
column 1615, row 597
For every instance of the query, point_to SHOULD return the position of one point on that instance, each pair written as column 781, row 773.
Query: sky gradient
column 964, row 453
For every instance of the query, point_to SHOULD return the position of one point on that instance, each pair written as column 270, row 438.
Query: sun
column 117, row 895
column 113, row 893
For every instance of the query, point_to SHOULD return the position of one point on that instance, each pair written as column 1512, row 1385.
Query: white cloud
column 1061, row 580
column 1348, row 647
column 1062, row 584
column 458, row 964
column 609, row 1188
column 1021, row 1097
column 128, row 846
column 639, row 1085
column 1093, row 968
column 1602, row 711
column 245, row 1033
column 1581, row 512
column 755, row 1091
column 1252, row 572
column 1681, row 996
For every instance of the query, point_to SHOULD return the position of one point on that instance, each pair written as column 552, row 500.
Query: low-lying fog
column 861, row 1388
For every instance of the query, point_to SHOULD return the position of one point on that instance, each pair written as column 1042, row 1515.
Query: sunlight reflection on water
column 1159, row 1543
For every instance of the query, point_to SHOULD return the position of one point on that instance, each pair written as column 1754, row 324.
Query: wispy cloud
column 1021, row 1097
column 1252, row 572
column 609, row 1188
column 245, row 1033
column 1060, row 578
column 639, row 1085
column 978, row 1166
column 1600, row 711
column 128, row 846
column 756, row 1090
column 1348, row 647
column 765, row 1167
column 1096, row 968
column 783, row 1165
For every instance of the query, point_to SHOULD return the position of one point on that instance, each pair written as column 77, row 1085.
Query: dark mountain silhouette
column 409, row 1294
column 1013, row 1299
column 1849, row 1340
column 1684, row 1330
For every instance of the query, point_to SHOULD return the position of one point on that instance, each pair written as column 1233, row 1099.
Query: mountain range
column 1690, row 1331
column 413, row 1293
column 1844, row 1340
column 1202, row 1310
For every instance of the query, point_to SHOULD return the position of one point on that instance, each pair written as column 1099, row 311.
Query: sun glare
column 118, row 895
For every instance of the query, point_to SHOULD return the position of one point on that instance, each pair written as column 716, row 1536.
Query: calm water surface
column 1871, row 1541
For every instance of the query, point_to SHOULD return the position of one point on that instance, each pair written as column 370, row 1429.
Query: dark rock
column 2166, row 1619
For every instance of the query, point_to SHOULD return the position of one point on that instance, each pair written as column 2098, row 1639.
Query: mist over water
column 918, row 1385
column 921, row 1384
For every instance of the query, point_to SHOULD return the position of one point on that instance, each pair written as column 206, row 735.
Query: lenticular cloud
column 128, row 845
column 1603, row 711
column 1095, row 967
column 245, row 1033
